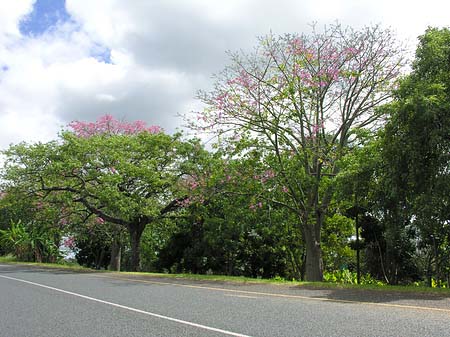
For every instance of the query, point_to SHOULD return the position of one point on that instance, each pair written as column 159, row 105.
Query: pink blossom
column 99, row 220
column 243, row 80
column 107, row 124
column 267, row 175
column 296, row 46
column 185, row 202
column 351, row 51
column 193, row 185
column 69, row 242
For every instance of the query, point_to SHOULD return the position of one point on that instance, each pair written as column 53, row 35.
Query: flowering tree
column 303, row 98
column 108, row 125
column 122, row 173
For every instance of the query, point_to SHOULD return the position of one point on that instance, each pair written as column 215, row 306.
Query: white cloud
column 10, row 14
column 162, row 51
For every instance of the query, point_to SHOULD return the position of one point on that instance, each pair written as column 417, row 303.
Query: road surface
column 38, row 302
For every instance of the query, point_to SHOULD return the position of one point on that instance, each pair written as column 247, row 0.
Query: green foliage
column 336, row 233
column 346, row 276
column 240, row 228
column 416, row 151
column 16, row 240
column 130, row 180
column 28, row 242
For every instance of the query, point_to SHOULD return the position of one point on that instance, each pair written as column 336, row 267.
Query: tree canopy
column 126, row 178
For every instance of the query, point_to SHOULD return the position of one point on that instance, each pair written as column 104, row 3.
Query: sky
column 65, row 60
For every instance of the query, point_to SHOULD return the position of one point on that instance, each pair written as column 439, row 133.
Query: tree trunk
column 135, row 231
column 37, row 254
column 116, row 250
column 314, row 263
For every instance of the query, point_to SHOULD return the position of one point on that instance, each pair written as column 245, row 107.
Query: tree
column 365, row 185
column 301, row 98
column 417, row 147
column 121, row 173
column 235, row 230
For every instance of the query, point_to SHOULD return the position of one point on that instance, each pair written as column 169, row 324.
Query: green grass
column 216, row 278
column 308, row 285
column 381, row 288
column 9, row 259
column 243, row 280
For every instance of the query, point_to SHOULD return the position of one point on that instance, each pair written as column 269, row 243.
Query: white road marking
column 241, row 296
column 225, row 332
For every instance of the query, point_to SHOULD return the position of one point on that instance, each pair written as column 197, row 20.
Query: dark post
column 358, row 268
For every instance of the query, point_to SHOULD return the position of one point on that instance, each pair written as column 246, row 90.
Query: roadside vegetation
column 331, row 165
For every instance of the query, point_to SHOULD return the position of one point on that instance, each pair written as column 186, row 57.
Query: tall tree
column 417, row 147
column 301, row 97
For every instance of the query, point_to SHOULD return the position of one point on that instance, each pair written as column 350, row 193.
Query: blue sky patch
column 46, row 15
column 101, row 54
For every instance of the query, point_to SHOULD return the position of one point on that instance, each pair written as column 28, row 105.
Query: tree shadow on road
column 383, row 295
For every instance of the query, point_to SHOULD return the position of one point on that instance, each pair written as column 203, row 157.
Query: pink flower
column 69, row 242
column 107, row 124
column 99, row 220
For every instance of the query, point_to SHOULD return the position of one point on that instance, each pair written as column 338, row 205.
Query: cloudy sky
column 145, row 59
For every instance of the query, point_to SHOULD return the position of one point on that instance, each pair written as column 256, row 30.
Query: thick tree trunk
column 314, row 263
column 312, row 225
column 116, row 252
column 135, row 231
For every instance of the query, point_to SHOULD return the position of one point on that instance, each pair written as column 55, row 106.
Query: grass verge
column 241, row 279
column 9, row 259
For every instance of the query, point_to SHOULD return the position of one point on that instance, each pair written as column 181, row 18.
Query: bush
column 346, row 276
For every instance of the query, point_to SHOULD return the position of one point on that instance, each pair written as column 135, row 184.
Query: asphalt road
column 48, row 303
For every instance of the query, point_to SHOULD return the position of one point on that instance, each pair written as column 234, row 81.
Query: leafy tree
column 417, row 147
column 121, row 173
column 236, row 229
column 301, row 98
